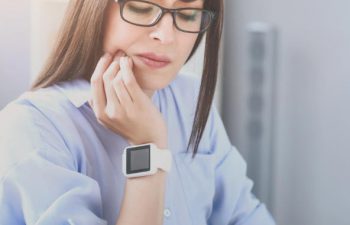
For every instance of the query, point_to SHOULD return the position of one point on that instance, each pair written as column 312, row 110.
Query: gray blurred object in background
column 302, row 171
column 260, row 81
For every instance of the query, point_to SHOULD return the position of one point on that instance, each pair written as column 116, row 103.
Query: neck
column 149, row 92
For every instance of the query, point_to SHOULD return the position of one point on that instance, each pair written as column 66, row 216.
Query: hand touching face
column 120, row 104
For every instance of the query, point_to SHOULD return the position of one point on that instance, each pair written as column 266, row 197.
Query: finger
column 122, row 93
column 113, row 104
column 108, row 77
column 97, row 87
column 129, row 79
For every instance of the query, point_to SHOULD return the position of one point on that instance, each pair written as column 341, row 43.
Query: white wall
column 311, row 140
column 46, row 16
column 14, row 49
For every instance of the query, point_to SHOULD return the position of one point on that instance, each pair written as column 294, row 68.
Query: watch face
column 138, row 159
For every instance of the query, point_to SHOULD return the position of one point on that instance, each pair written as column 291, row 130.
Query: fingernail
column 130, row 61
column 116, row 58
column 123, row 63
column 124, row 69
column 118, row 54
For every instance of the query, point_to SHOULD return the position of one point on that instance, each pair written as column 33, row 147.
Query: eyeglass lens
column 146, row 14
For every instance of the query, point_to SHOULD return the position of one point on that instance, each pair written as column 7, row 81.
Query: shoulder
column 215, row 139
column 35, row 108
column 183, row 92
column 26, row 127
column 27, row 113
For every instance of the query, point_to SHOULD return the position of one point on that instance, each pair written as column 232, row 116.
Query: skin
column 122, row 96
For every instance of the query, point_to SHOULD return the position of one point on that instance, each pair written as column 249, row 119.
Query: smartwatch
column 145, row 159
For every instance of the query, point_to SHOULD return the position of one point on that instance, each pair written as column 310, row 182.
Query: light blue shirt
column 60, row 166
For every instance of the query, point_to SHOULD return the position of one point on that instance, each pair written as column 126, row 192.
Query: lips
column 154, row 61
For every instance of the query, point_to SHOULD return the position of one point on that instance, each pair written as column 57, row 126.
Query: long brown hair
column 78, row 48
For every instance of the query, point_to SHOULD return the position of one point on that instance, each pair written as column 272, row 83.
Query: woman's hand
column 121, row 105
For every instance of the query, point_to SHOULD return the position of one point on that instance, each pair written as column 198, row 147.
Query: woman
column 112, row 82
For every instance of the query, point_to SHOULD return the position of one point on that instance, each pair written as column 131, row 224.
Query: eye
column 139, row 9
column 188, row 15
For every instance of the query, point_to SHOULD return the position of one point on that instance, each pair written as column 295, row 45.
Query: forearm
column 143, row 201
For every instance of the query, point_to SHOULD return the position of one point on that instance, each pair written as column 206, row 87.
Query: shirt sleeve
column 39, row 182
column 233, row 203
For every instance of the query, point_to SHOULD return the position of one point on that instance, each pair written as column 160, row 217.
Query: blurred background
column 283, row 92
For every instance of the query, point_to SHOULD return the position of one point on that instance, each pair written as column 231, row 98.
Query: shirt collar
column 77, row 91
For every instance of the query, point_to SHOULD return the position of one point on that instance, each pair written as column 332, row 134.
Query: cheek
column 118, row 34
column 187, row 42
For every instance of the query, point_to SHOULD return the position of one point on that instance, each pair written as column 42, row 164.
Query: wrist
column 161, row 145
column 146, row 159
column 161, row 142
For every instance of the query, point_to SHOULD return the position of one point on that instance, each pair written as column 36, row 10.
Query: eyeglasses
column 147, row 14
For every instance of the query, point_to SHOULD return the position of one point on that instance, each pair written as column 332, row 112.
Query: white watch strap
column 163, row 159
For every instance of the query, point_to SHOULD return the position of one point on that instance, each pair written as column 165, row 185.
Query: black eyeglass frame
column 164, row 11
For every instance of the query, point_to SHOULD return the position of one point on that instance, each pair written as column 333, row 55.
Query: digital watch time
column 145, row 159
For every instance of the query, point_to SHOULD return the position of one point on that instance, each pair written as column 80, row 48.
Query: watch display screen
column 138, row 159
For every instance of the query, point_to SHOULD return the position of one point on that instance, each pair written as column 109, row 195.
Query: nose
column 164, row 30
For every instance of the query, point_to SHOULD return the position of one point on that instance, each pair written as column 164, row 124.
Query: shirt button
column 167, row 213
